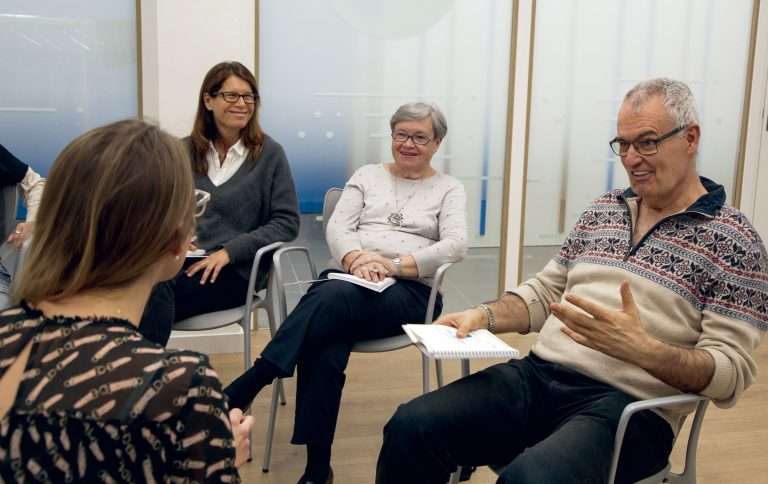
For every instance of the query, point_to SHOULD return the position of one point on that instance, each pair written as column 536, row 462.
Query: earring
column 177, row 257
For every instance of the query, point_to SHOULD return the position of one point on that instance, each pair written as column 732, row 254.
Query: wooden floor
column 732, row 447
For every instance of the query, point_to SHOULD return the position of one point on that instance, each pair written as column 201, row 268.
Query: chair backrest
column 330, row 200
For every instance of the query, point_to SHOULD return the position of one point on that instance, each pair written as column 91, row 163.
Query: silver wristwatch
column 398, row 264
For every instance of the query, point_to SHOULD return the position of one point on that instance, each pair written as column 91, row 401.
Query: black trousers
column 183, row 297
column 317, row 337
column 547, row 423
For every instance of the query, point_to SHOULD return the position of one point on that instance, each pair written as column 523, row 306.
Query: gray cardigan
column 254, row 208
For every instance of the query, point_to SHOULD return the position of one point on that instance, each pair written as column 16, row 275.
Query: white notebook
column 440, row 342
column 373, row 286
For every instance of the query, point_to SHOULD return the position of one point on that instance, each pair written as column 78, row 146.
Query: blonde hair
column 117, row 198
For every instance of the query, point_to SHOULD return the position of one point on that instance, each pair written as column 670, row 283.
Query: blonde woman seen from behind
column 111, row 406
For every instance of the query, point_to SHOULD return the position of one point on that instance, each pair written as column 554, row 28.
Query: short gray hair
column 418, row 111
column 677, row 96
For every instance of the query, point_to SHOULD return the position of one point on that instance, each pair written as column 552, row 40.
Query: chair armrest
column 437, row 282
column 661, row 402
column 257, row 262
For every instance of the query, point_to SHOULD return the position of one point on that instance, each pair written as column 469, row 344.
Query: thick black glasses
column 233, row 97
column 648, row 146
column 418, row 138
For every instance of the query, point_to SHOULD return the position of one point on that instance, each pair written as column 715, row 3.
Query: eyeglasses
column 648, row 146
column 233, row 97
column 418, row 138
column 201, row 201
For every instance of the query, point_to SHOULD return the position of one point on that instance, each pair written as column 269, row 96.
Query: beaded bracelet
column 489, row 316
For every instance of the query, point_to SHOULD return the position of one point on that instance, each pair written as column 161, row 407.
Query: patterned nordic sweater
column 699, row 279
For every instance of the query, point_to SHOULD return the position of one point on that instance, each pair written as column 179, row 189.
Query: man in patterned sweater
column 659, row 289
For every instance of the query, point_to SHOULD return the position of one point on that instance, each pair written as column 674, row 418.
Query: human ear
column 178, row 244
column 692, row 137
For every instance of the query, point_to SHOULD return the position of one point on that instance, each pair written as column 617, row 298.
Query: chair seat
column 216, row 319
column 383, row 344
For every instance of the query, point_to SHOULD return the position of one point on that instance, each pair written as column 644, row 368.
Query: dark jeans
column 318, row 337
column 183, row 297
column 549, row 423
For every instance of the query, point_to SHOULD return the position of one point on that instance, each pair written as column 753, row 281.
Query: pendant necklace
column 396, row 218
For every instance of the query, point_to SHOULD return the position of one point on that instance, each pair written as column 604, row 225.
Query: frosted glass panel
column 332, row 72
column 67, row 67
column 586, row 55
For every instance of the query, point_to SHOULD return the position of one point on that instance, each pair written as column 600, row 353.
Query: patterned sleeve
column 548, row 285
column 205, row 442
column 735, row 310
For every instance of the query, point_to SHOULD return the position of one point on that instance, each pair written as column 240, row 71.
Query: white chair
column 242, row 314
column 688, row 475
column 370, row 346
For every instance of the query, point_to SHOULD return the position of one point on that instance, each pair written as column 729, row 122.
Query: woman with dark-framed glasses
column 252, row 202
column 401, row 219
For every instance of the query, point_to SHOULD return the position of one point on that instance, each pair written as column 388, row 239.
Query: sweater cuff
column 723, row 383
column 237, row 250
column 342, row 248
column 537, row 311
column 425, row 265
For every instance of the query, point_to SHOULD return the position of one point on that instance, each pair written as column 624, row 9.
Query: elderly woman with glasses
column 401, row 219
column 252, row 202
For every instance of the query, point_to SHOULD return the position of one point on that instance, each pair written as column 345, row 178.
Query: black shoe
column 328, row 480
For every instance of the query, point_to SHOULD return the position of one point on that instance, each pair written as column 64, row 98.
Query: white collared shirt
column 221, row 172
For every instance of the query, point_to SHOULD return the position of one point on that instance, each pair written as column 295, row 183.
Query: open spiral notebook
column 439, row 341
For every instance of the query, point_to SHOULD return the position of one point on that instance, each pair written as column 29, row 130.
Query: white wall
column 181, row 40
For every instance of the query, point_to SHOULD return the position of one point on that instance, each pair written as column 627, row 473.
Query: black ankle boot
column 244, row 389
column 328, row 480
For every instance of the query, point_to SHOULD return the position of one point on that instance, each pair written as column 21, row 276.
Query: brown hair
column 116, row 200
column 204, row 129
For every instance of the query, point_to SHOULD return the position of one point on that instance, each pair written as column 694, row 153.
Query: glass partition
column 586, row 56
column 332, row 72
column 67, row 67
